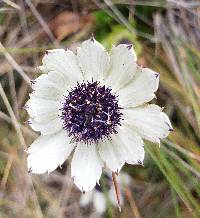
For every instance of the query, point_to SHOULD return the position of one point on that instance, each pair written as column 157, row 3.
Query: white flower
column 93, row 102
column 97, row 197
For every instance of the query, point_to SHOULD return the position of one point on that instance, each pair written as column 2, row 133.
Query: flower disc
column 90, row 112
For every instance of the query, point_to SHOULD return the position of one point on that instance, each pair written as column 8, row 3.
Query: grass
column 164, row 36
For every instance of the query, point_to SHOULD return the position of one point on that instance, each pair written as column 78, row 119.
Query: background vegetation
column 166, row 36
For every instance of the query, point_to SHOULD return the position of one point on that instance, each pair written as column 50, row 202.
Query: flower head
column 95, row 103
column 90, row 112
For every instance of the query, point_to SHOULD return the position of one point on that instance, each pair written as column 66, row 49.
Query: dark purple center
column 90, row 112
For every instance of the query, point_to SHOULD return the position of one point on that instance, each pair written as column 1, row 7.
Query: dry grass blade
column 25, row 129
column 14, row 64
column 132, row 203
column 177, row 158
column 27, row 179
column 6, row 173
column 13, row 94
column 43, row 23
column 183, row 150
column 13, row 118
column 124, row 21
column 64, row 194
column 117, row 192
column 12, row 4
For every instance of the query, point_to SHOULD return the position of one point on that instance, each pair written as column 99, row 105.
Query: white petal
column 123, row 66
column 48, row 152
column 130, row 145
column 45, row 102
column 148, row 121
column 99, row 202
column 86, row 199
column 45, row 89
column 59, row 81
column 141, row 89
column 110, row 154
column 42, row 109
column 125, row 146
column 47, row 127
column 63, row 62
column 86, row 167
column 93, row 60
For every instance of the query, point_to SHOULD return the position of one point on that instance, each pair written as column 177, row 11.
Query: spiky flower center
column 90, row 112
